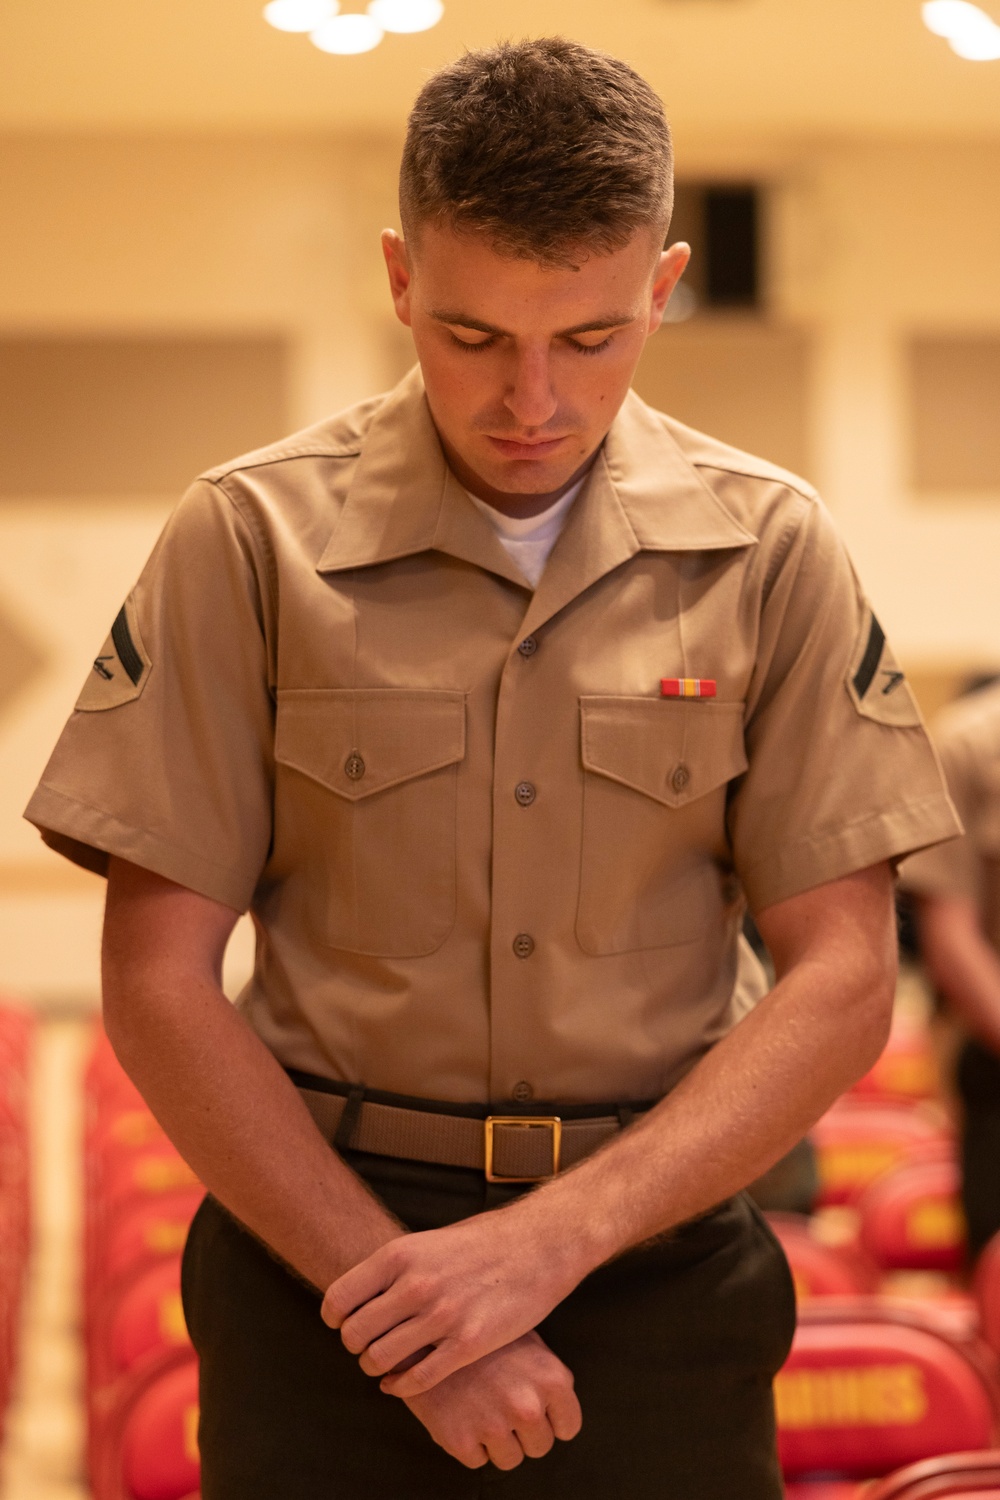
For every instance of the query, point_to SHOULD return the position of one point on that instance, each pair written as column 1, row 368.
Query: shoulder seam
column 226, row 471
column 258, row 541
column 804, row 490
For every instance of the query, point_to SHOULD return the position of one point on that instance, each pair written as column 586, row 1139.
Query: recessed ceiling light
column 348, row 34
column 299, row 15
column 406, row 15
column 968, row 30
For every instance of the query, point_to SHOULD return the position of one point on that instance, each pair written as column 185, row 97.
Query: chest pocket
column 654, row 805
column 366, row 808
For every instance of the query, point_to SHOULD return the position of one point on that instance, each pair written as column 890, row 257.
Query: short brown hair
column 540, row 146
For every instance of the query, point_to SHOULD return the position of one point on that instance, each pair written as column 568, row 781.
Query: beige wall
column 278, row 237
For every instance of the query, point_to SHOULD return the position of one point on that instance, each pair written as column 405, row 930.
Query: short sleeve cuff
column 88, row 835
column 889, row 835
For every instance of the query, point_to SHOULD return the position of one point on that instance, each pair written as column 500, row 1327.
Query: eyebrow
column 597, row 325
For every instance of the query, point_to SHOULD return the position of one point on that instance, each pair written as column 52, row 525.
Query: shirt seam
column 843, row 830
column 103, row 812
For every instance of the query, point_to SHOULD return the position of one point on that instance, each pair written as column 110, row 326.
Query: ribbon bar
column 687, row 687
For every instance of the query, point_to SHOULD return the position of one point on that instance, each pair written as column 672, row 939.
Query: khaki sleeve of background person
column 955, row 886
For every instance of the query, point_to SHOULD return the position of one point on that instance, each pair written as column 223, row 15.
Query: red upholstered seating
column 986, row 1287
column 856, row 1141
column 822, row 1489
column 957, row 1476
column 142, row 1385
column 871, row 1385
column 911, row 1217
column 151, row 1448
column 16, row 1036
column 907, row 1068
column 820, row 1270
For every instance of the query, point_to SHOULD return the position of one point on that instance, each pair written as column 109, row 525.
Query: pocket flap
column 669, row 750
column 360, row 741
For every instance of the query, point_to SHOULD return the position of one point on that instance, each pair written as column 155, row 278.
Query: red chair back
column 150, row 1451
column 986, row 1287
column 820, row 1270
column 911, row 1218
column 868, row 1388
column 147, row 1318
column 147, row 1229
column 958, row 1476
column 857, row 1141
column 907, row 1069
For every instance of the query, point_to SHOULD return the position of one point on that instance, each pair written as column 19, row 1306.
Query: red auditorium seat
column 911, row 1218
column 856, row 1141
column 150, row 1451
column 907, row 1068
column 957, row 1476
column 871, row 1385
column 986, row 1287
column 145, row 1230
column 820, row 1270
column 823, row 1490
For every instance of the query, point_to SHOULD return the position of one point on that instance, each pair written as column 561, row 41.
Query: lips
column 530, row 449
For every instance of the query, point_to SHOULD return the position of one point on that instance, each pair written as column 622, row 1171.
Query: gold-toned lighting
column 968, row 30
column 299, row 15
column 406, row 16
column 347, row 34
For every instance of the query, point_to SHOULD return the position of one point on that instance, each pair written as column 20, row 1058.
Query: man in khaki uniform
column 958, row 904
column 495, row 700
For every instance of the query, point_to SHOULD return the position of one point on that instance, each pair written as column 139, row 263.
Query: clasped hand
column 437, row 1301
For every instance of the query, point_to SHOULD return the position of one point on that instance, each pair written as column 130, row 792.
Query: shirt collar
column 642, row 494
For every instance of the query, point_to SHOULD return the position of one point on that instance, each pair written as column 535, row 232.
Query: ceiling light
column 347, row 34
column 406, row 15
column 969, row 31
column 299, row 15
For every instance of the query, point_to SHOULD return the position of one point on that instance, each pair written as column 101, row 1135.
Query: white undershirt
column 529, row 541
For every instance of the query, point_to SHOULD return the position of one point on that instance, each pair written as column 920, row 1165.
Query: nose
column 530, row 397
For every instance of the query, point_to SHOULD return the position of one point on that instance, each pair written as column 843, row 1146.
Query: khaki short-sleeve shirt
column 488, row 853
column 967, row 736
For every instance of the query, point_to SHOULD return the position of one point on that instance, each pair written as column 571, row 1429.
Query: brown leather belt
column 507, row 1148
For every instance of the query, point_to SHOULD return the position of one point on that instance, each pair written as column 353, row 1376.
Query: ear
column 670, row 268
column 397, row 264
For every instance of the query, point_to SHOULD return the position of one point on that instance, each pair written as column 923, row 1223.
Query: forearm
column 737, row 1112
column 237, row 1119
column 963, row 964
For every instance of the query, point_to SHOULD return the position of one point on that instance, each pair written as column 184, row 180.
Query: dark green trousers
column 673, row 1348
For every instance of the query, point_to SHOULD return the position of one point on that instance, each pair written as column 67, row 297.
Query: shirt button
column 528, row 646
column 680, row 778
column 525, row 793
column 354, row 766
column 524, row 945
column 522, row 1091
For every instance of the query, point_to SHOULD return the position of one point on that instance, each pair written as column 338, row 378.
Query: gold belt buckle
column 524, row 1122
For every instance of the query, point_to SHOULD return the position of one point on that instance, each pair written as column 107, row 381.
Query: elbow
column 871, row 1014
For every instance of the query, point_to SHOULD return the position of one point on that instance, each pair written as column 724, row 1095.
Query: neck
column 519, row 507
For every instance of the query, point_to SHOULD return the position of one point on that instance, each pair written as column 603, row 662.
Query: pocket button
column 354, row 766
column 680, row 778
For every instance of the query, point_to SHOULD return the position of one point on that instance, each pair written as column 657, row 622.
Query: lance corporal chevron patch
column 120, row 668
column 875, row 681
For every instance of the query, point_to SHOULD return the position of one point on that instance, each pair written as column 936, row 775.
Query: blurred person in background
column 495, row 700
column 957, row 892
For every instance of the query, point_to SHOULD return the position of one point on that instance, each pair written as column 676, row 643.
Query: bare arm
column 478, row 1283
column 227, row 1105
column 962, row 963
column 238, row 1120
